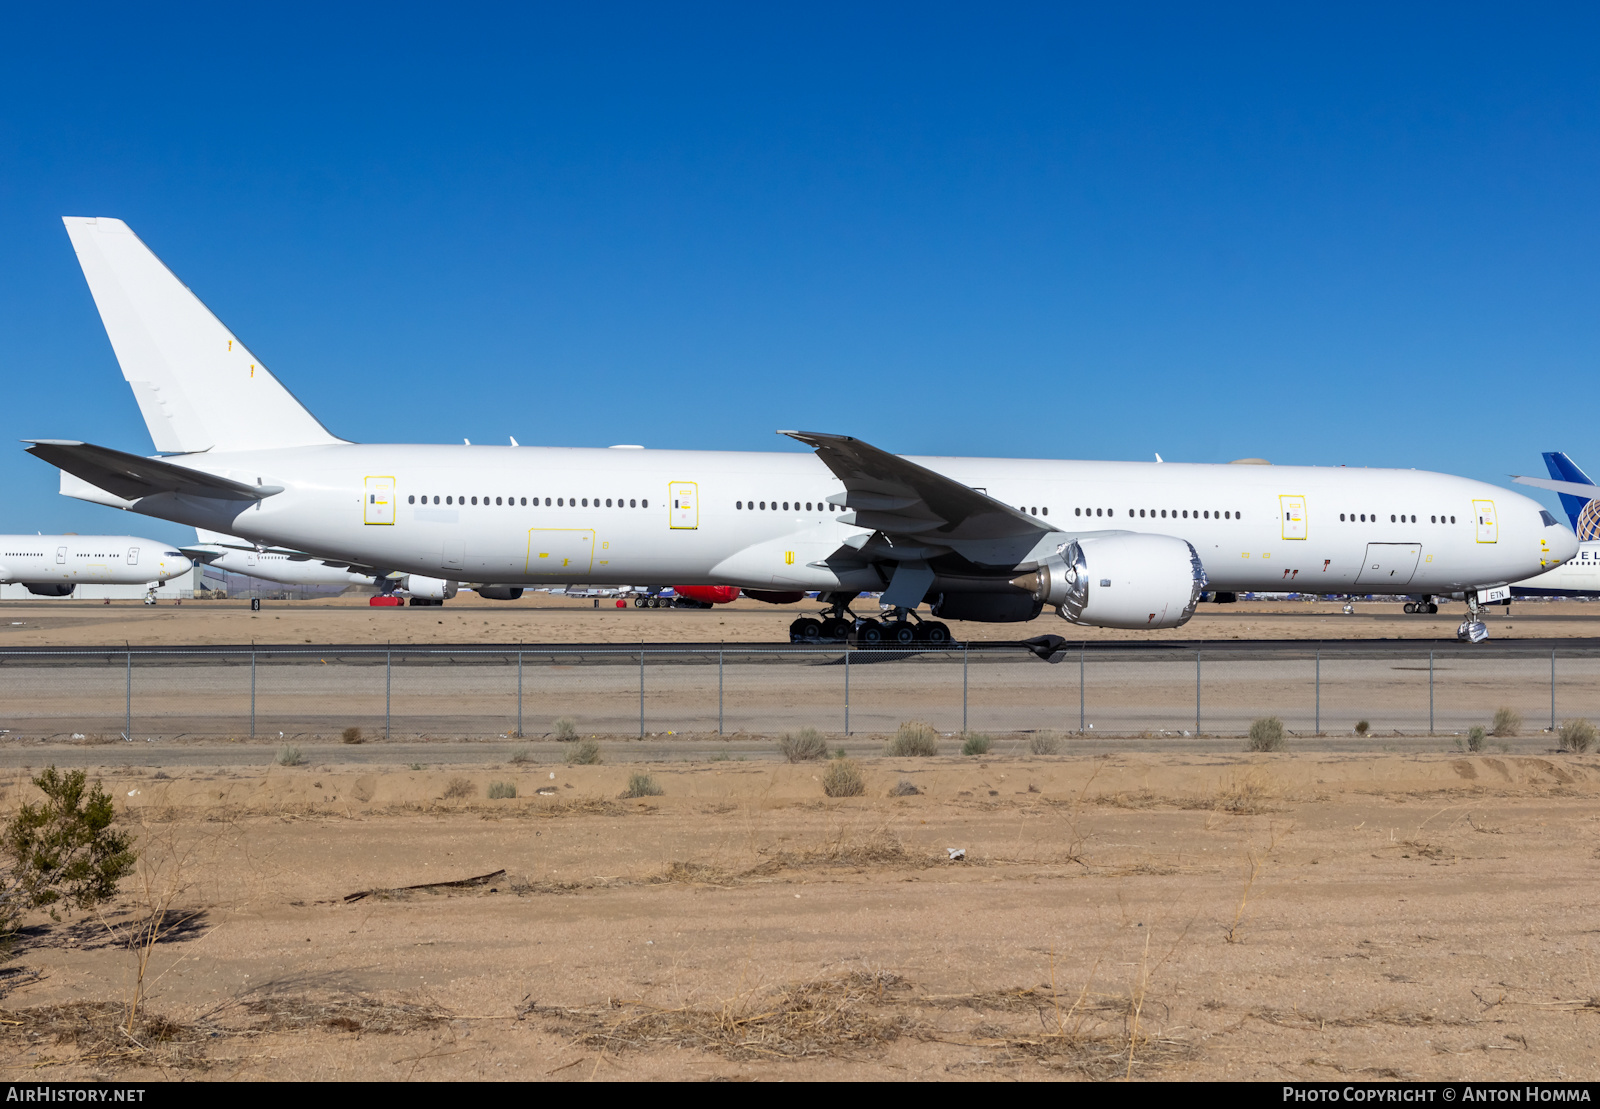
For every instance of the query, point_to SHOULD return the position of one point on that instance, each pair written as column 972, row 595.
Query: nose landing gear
column 1472, row 629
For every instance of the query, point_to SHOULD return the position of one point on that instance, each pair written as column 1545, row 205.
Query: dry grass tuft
column 843, row 779
column 502, row 791
column 586, row 753
column 904, row 788
column 976, row 743
column 566, row 728
column 353, row 735
column 806, row 745
column 290, row 755
column 339, row 1014
column 1475, row 738
column 1506, row 722
column 915, row 739
column 521, row 753
column 459, row 789
column 858, row 1015
column 1577, row 736
column 1266, row 734
column 641, row 785
column 1045, row 743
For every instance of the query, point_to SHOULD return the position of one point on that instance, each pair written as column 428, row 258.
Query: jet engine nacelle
column 430, row 589
column 500, row 592
column 1121, row 581
column 52, row 589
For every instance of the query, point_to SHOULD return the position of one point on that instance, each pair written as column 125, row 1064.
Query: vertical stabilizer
column 1581, row 511
column 198, row 387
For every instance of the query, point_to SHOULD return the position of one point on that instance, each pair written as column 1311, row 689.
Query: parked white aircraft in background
column 1110, row 544
column 55, row 565
column 234, row 555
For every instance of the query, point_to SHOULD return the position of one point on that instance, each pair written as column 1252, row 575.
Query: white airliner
column 1110, row 544
column 55, row 565
column 235, row 555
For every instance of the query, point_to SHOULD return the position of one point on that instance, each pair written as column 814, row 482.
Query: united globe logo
column 1589, row 520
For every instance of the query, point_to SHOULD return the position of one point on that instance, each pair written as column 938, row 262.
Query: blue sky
column 1341, row 235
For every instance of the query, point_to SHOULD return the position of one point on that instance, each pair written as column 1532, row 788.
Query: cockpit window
column 1549, row 520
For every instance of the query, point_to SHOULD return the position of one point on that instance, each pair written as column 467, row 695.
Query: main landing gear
column 1424, row 607
column 837, row 624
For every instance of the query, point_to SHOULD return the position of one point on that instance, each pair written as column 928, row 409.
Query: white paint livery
column 59, row 563
column 963, row 534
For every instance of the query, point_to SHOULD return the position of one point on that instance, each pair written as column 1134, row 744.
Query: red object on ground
column 775, row 597
column 386, row 600
column 622, row 604
column 712, row 594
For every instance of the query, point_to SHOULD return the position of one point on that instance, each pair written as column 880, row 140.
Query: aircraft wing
column 131, row 476
column 886, row 493
column 1573, row 488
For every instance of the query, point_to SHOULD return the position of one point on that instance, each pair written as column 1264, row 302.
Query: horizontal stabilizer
column 131, row 477
column 1572, row 488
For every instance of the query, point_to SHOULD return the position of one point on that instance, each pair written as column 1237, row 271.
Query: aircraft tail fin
column 1583, row 512
column 197, row 385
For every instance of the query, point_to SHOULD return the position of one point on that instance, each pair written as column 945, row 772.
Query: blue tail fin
column 1583, row 513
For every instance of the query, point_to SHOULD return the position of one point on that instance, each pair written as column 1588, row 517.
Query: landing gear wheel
column 869, row 631
column 933, row 633
column 805, row 630
column 900, row 631
column 1410, row 608
column 255, row 604
column 641, row 602
column 835, row 629
column 1433, row 609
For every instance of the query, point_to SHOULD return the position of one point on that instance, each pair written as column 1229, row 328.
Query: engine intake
column 500, row 592
column 52, row 589
column 430, row 589
column 1121, row 581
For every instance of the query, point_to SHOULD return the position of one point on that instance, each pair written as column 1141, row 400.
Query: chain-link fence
column 500, row 692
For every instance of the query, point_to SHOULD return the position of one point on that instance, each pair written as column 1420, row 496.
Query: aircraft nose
column 1563, row 544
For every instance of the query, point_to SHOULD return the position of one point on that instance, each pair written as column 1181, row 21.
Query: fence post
column 1081, row 648
column 388, row 687
column 1318, row 728
column 1430, row 692
column 641, row 691
column 1197, row 692
column 519, row 694
column 719, row 690
column 1552, row 689
column 127, row 732
column 965, row 651
column 252, row 692
column 847, row 689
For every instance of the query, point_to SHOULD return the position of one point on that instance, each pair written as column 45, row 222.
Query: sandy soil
column 540, row 618
column 1176, row 916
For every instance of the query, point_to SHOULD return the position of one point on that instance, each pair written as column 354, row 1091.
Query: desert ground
column 1199, row 916
column 541, row 618
column 1136, row 906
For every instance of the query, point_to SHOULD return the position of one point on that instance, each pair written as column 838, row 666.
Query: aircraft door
column 1488, row 530
column 683, row 497
column 133, row 556
column 1389, row 565
column 61, row 556
column 565, row 552
column 380, row 500
column 1292, row 514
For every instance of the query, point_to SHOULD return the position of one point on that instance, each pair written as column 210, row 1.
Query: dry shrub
column 1577, row 736
column 290, row 755
column 904, row 788
column 521, row 753
column 459, row 789
column 915, row 739
column 641, row 785
column 843, row 779
column 586, row 753
column 1362, row 727
column 1475, row 738
column 1045, row 743
column 353, row 735
column 976, row 743
column 806, row 745
column 1506, row 722
column 1266, row 734
column 566, row 729
column 501, row 791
